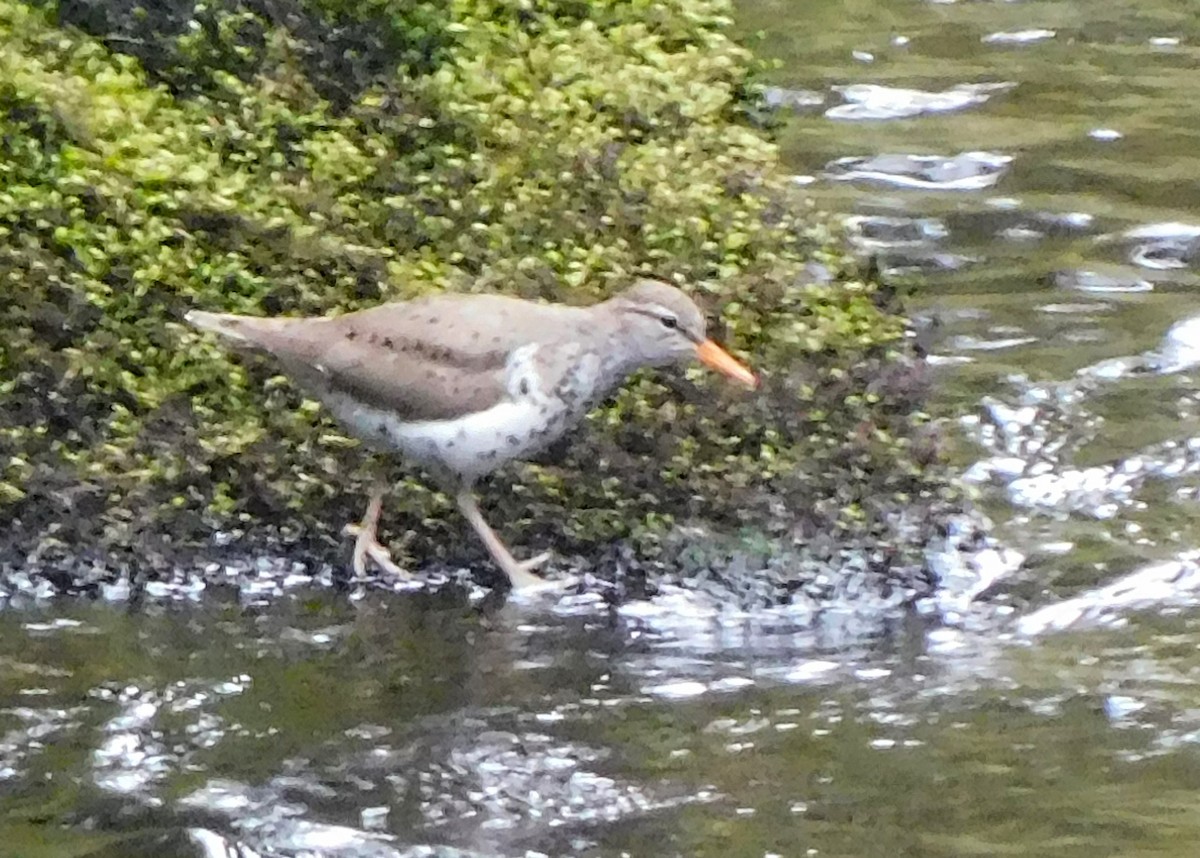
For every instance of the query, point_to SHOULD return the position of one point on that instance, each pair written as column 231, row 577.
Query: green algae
column 222, row 155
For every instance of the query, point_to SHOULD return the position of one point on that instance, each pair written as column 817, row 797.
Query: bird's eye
column 669, row 322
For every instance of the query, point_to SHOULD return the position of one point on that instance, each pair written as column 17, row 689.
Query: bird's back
column 432, row 358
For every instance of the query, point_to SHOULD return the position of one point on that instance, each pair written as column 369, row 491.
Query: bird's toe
column 367, row 547
column 525, row 580
column 534, row 562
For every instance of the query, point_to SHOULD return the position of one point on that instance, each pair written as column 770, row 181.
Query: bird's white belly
column 536, row 411
column 470, row 446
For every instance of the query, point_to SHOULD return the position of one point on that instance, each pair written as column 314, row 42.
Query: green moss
column 547, row 149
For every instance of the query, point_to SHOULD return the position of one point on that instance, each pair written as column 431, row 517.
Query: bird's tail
column 245, row 331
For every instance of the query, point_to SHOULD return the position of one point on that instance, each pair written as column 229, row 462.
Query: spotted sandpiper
column 462, row 384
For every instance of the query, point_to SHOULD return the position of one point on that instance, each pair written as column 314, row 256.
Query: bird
column 461, row 384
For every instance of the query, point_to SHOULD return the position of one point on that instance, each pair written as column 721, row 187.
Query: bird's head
column 667, row 327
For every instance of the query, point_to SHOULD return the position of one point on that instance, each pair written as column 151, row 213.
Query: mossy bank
column 306, row 156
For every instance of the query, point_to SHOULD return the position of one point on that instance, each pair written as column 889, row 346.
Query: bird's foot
column 524, row 580
column 528, row 566
column 366, row 546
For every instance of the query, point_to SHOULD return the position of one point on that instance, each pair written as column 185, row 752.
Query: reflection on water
column 1031, row 167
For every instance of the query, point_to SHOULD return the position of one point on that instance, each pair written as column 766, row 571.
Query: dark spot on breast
column 513, row 440
column 382, row 428
column 373, row 338
column 524, row 387
column 449, row 444
column 387, row 343
column 433, row 320
column 351, row 335
column 496, row 340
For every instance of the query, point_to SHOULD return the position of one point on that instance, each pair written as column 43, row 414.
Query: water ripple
column 1173, row 582
column 867, row 101
column 1165, row 246
column 968, row 171
column 1018, row 37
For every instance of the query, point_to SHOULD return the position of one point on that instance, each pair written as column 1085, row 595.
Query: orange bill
column 715, row 357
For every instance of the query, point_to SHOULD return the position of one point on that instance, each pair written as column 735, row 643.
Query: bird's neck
column 619, row 355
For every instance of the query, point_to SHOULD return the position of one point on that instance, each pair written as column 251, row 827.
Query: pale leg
column 365, row 542
column 519, row 574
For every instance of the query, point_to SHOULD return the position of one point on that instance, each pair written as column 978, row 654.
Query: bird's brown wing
column 430, row 359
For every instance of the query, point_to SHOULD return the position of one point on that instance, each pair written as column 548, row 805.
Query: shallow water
column 1032, row 167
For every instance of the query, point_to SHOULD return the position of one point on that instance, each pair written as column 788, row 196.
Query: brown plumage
column 462, row 384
